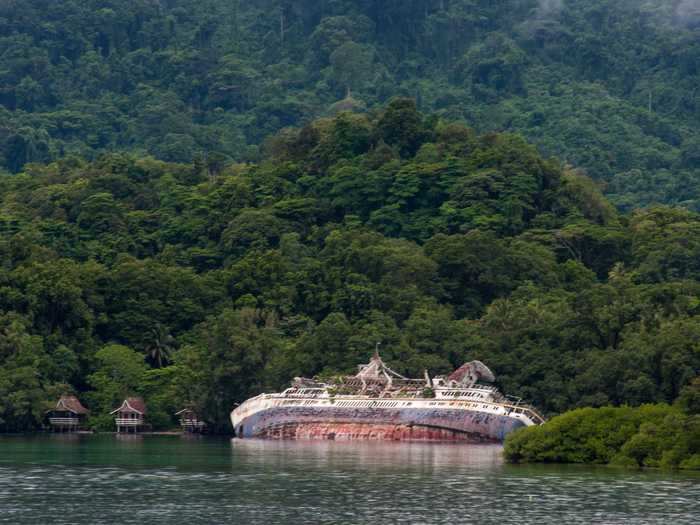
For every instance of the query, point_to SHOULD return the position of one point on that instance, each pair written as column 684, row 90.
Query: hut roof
column 71, row 404
column 132, row 404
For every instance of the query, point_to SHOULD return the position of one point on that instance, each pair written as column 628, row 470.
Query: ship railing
column 516, row 403
column 513, row 406
column 259, row 397
column 306, row 395
column 527, row 410
column 408, row 382
column 487, row 388
column 539, row 418
column 481, row 388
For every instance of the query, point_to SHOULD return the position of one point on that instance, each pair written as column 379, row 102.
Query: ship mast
column 377, row 371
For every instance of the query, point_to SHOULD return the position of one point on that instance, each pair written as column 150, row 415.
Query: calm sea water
column 112, row 480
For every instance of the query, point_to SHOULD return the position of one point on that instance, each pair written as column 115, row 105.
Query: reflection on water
column 99, row 479
column 366, row 455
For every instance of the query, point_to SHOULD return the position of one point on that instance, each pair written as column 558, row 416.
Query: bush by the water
column 650, row 435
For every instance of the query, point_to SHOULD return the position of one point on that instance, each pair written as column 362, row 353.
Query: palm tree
column 160, row 347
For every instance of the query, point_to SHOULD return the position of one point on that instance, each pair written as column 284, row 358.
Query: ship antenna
column 376, row 350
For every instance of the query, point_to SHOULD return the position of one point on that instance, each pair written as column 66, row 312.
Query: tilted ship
column 381, row 404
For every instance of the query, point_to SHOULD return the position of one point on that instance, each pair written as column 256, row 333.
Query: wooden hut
column 68, row 415
column 190, row 421
column 129, row 417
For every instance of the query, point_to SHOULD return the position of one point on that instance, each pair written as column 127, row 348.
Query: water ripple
column 203, row 482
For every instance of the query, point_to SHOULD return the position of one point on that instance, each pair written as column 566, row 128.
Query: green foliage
column 30, row 375
column 119, row 373
column 606, row 85
column 689, row 398
column 228, row 357
column 202, row 284
column 649, row 435
column 240, row 242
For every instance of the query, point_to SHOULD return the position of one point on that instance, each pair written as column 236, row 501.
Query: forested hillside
column 609, row 86
column 206, row 284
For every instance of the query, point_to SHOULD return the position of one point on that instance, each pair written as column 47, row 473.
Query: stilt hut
column 130, row 416
column 68, row 415
column 190, row 421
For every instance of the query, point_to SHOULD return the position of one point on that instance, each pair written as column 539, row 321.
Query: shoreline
column 108, row 433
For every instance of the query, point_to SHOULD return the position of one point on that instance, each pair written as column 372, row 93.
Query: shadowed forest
column 608, row 86
column 134, row 275
column 204, row 200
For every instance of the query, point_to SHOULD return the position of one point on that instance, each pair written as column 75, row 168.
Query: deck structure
column 380, row 403
column 190, row 421
column 130, row 416
column 68, row 415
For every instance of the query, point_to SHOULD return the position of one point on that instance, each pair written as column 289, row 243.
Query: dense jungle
column 608, row 86
column 204, row 200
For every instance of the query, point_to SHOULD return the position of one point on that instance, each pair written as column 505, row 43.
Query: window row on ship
column 367, row 403
column 318, row 392
column 458, row 393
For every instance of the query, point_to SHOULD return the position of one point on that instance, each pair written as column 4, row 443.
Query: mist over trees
column 608, row 86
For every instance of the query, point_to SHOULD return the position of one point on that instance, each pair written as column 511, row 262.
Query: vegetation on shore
column 646, row 436
column 202, row 200
column 191, row 283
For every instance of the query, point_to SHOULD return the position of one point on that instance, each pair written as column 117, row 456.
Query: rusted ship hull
column 405, row 424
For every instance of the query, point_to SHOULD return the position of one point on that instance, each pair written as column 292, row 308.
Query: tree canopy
column 608, row 86
column 128, row 275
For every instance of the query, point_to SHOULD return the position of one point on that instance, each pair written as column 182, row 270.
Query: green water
column 111, row 480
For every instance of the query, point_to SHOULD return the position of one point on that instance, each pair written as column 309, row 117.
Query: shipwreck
column 380, row 404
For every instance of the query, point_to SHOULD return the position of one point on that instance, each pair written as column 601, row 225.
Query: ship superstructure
column 379, row 403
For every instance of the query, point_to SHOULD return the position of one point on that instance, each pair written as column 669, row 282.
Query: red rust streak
column 364, row 431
